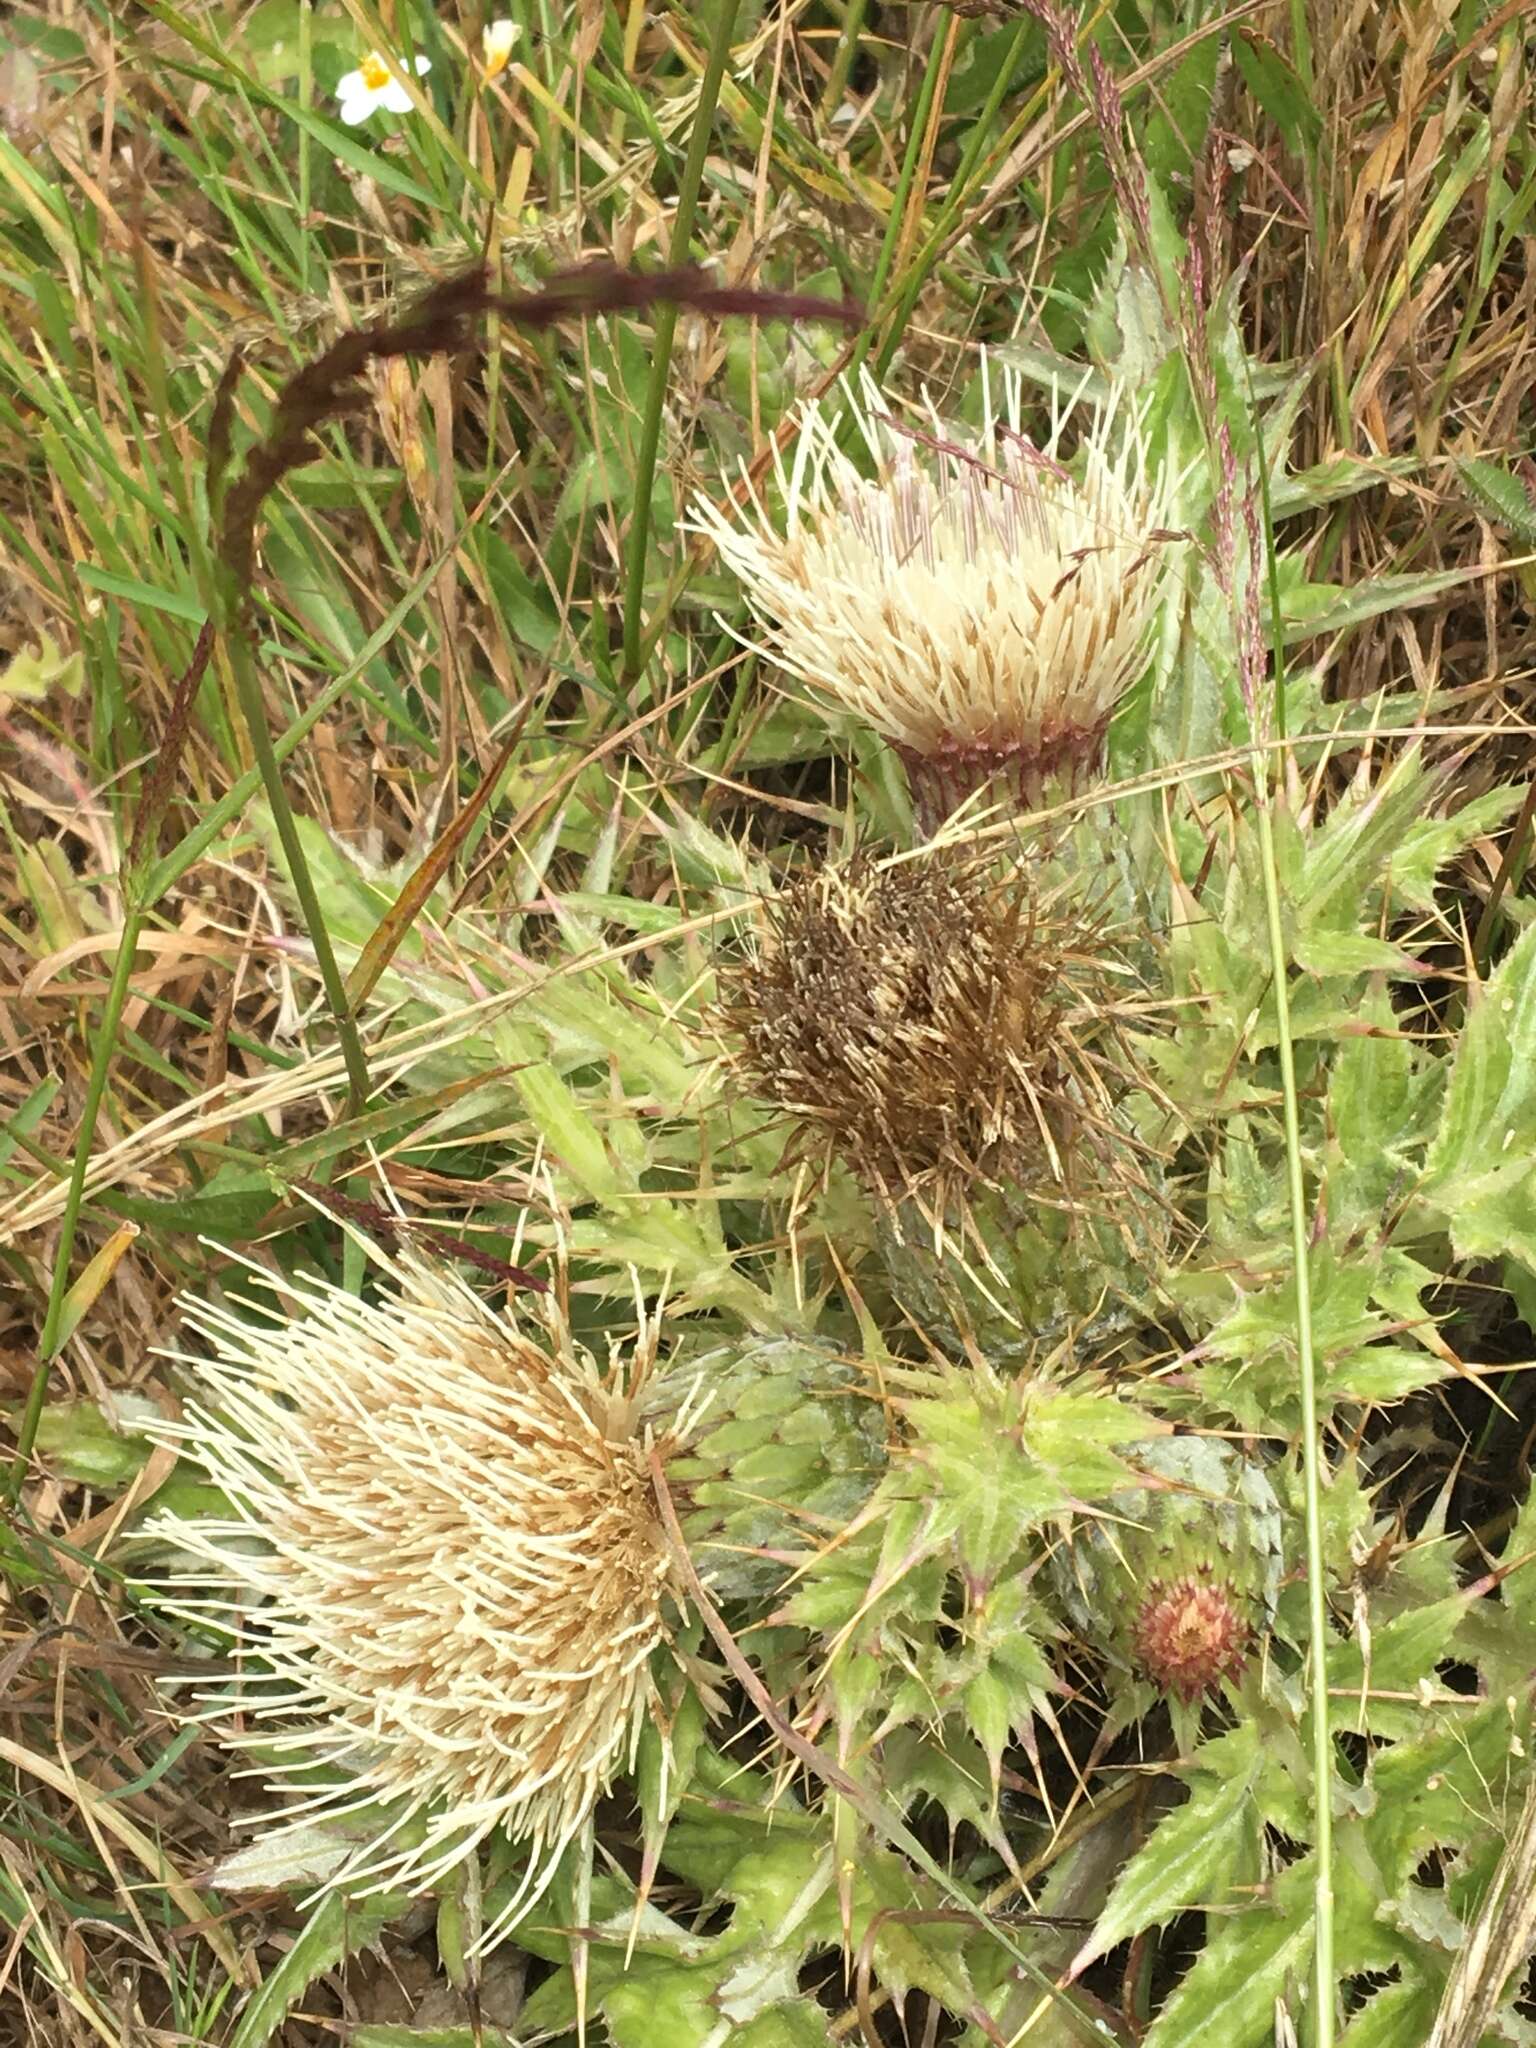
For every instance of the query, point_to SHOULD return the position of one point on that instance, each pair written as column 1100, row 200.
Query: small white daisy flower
column 374, row 87
column 978, row 600
column 497, row 44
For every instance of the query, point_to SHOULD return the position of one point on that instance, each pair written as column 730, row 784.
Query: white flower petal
column 372, row 89
column 497, row 44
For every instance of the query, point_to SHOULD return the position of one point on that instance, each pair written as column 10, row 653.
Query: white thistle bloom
column 445, row 1573
column 979, row 602
column 374, row 88
column 496, row 44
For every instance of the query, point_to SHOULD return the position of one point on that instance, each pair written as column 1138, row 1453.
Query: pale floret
column 977, row 602
column 497, row 44
column 374, row 89
column 445, row 1549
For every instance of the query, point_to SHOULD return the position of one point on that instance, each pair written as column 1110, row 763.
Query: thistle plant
column 979, row 601
column 442, row 1568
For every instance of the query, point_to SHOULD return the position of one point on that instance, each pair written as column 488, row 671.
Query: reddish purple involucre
column 1190, row 1635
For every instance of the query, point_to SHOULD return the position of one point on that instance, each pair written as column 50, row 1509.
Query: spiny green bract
column 790, row 1446
column 1025, row 1270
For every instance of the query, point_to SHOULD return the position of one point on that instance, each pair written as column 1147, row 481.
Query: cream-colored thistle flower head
column 979, row 600
column 445, row 1575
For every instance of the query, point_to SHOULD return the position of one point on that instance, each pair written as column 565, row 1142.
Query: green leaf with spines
column 1479, row 1173
column 1201, row 1854
column 1250, row 1363
column 1399, row 2015
column 1176, row 131
column 1446, row 1787
column 1227, row 1997
column 1401, row 1656
column 1433, row 842
column 335, row 1929
column 1003, row 1458
column 1499, row 496
column 666, row 1756
column 1272, row 79
column 1382, row 1097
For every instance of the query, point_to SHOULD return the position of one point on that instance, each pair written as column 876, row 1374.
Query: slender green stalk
column 307, row 96
column 666, row 326
column 254, row 712
column 925, row 112
column 225, row 809
column 141, row 892
column 95, row 1088
column 1311, row 1448
column 154, row 799
column 927, row 256
column 1323, row 1988
column 842, row 61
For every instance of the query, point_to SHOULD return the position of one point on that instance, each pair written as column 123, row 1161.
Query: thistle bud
column 787, row 1450
column 1175, row 1583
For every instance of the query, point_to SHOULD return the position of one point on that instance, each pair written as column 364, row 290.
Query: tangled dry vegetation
column 765, row 1127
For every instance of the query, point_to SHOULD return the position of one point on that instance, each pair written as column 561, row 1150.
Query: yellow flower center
column 375, row 71
column 497, row 42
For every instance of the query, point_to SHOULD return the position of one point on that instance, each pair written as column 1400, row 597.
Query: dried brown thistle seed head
column 978, row 600
column 930, row 1021
column 444, row 1562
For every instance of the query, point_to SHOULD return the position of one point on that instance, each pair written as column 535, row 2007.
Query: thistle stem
column 1311, row 1434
